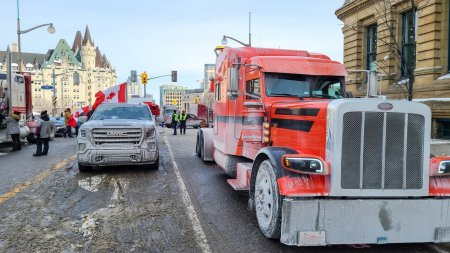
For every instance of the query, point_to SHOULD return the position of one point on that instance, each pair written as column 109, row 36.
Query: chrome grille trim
column 127, row 136
column 345, row 149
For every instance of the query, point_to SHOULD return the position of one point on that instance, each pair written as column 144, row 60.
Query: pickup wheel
column 155, row 165
column 197, row 145
column 268, row 201
column 84, row 168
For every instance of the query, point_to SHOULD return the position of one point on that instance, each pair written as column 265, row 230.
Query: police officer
column 183, row 117
column 175, row 120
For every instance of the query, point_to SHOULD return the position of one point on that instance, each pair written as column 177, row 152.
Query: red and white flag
column 84, row 109
column 114, row 94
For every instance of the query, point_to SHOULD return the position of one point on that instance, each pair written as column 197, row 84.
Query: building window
column 409, row 32
column 443, row 128
column 371, row 47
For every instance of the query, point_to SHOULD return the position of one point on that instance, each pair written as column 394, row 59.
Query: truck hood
column 118, row 123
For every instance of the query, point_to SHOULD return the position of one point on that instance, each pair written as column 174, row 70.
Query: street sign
column 47, row 87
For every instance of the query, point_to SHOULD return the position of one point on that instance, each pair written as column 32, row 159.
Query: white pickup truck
column 118, row 134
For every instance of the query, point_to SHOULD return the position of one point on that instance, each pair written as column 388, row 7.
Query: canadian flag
column 114, row 94
column 84, row 109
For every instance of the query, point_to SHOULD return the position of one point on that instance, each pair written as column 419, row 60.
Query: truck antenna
column 249, row 29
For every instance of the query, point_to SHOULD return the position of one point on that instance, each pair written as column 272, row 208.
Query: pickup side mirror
column 349, row 94
column 82, row 119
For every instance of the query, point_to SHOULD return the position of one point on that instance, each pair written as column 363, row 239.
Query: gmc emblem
column 385, row 106
column 115, row 133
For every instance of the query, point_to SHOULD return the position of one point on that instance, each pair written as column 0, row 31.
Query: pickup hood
column 117, row 124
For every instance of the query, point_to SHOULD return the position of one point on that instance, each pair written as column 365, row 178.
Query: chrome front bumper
column 111, row 156
column 364, row 221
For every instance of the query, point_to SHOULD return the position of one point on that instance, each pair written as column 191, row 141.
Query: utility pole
column 9, row 78
column 54, row 92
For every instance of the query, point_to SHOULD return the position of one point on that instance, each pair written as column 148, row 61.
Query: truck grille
column 102, row 136
column 382, row 150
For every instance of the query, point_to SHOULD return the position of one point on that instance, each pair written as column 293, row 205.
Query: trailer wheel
column 268, row 201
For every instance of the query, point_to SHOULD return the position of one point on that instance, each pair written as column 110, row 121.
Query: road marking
column 198, row 230
column 35, row 179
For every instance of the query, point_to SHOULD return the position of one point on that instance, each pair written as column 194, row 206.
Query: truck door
column 253, row 113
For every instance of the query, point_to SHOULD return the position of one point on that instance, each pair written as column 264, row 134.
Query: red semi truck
column 322, row 168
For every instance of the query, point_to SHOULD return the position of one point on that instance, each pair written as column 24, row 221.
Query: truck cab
column 320, row 168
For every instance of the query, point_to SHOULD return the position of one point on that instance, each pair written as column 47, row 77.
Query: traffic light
column 174, row 102
column 133, row 76
column 55, row 100
column 144, row 78
column 174, row 76
column 196, row 100
column 76, row 78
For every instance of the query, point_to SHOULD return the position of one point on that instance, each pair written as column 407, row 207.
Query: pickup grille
column 382, row 150
column 102, row 136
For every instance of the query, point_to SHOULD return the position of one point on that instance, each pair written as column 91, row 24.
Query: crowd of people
column 179, row 120
column 44, row 130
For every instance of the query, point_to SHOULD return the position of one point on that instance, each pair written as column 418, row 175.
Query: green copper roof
column 62, row 53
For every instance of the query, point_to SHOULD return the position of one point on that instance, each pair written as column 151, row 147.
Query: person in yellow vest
column 175, row 121
column 183, row 117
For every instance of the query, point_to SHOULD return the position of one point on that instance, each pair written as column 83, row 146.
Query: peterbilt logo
column 115, row 133
column 385, row 106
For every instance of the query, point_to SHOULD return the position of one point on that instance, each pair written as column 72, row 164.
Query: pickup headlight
column 83, row 133
column 150, row 133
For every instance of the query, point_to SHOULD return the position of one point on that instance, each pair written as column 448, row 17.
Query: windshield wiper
column 323, row 96
column 285, row 95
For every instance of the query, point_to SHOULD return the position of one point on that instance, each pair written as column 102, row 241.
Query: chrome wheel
column 267, row 201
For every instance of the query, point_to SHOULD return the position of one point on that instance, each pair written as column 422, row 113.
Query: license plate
column 312, row 238
column 443, row 234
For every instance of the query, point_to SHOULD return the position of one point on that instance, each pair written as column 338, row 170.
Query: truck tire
column 155, row 165
column 268, row 201
column 83, row 168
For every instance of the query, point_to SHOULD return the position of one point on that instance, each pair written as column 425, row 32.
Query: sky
column 161, row 36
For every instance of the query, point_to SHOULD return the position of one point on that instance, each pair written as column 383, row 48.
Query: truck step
column 242, row 180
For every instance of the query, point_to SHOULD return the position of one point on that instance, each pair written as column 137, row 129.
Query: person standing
column 14, row 130
column 183, row 117
column 175, row 121
column 67, row 116
column 44, row 132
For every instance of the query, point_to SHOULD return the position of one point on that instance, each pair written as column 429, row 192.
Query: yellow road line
column 35, row 179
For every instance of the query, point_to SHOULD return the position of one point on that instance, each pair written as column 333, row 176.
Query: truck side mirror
column 82, row 119
column 233, row 88
column 349, row 94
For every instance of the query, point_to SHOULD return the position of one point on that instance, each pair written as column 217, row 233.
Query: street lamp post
column 50, row 29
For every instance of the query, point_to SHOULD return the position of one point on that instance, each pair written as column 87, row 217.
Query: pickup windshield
column 119, row 112
column 295, row 85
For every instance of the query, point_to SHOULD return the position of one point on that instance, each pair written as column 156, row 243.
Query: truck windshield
column 295, row 85
column 126, row 112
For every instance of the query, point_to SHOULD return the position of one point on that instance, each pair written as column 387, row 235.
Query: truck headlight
column 83, row 133
column 150, row 133
column 305, row 165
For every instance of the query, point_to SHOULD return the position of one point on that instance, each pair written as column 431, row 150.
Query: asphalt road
column 47, row 205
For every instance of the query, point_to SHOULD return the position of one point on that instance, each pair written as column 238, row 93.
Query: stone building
column 378, row 34
column 171, row 94
column 60, row 64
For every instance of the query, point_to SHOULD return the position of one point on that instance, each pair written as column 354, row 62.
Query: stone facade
column 94, row 69
column 431, row 61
